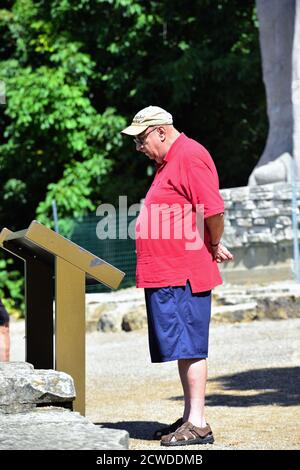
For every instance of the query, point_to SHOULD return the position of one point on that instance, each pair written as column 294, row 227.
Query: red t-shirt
column 169, row 249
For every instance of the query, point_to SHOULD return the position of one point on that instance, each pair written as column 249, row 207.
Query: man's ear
column 162, row 133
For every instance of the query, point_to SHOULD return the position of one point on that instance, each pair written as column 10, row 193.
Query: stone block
column 243, row 213
column 111, row 321
column 261, row 238
column 135, row 319
column 259, row 221
column 244, row 222
column 284, row 220
column 264, row 192
column 228, row 204
column 22, row 387
column 272, row 212
column 248, row 205
column 52, row 428
column 240, row 194
column 24, row 427
column 265, row 204
column 288, row 233
column 226, row 194
column 232, row 240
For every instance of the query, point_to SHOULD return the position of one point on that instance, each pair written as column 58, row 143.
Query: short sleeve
column 202, row 185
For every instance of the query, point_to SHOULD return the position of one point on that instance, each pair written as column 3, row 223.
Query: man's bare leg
column 4, row 343
column 193, row 376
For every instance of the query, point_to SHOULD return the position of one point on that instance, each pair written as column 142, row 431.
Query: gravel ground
column 252, row 393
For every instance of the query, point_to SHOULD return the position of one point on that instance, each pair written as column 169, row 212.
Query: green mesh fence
column 118, row 252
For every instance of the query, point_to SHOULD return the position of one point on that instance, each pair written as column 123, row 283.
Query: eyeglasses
column 141, row 140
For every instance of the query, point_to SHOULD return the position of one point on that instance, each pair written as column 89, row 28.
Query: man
column 178, row 235
column 4, row 334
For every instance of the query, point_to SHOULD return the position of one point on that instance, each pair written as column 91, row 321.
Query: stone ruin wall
column 258, row 229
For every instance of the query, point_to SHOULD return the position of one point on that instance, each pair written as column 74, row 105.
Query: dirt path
column 252, row 394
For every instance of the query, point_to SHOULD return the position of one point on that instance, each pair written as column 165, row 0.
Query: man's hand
column 221, row 254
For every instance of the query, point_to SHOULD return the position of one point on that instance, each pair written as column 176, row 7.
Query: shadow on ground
column 277, row 386
column 143, row 430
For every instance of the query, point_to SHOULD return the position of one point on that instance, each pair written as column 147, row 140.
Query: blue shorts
column 178, row 323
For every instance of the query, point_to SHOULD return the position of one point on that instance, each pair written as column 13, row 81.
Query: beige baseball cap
column 150, row 116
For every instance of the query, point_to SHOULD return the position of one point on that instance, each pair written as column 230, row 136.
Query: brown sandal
column 188, row 434
column 167, row 429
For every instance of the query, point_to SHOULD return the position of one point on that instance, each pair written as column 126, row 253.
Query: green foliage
column 77, row 71
column 55, row 132
column 74, row 69
column 11, row 288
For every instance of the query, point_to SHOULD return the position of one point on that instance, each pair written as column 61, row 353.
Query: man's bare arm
column 215, row 225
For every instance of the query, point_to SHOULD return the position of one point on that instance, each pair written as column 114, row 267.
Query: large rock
column 135, row 319
column 51, row 428
column 27, row 427
column 110, row 321
column 22, row 387
column 236, row 304
column 114, row 311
